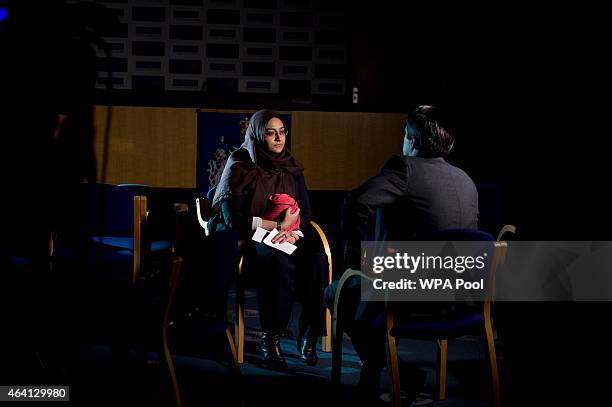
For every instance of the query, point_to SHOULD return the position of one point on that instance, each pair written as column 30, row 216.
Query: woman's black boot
column 307, row 348
column 270, row 348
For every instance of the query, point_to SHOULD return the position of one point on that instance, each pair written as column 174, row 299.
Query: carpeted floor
column 101, row 377
column 209, row 383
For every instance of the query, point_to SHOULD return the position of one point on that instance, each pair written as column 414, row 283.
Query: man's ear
column 415, row 145
column 406, row 145
column 411, row 143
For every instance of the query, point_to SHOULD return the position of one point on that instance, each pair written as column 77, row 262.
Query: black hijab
column 254, row 169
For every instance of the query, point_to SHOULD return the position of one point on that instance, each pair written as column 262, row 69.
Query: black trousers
column 280, row 279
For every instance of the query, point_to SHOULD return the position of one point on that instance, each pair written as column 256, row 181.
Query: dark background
column 528, row 89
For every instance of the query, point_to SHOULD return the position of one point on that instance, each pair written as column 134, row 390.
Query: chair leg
column 441, row 377
column 234, row 366
column 492, row 356
column 336, row 332
column 326, row 340
column 239, row 331
column 392, row 362
column 336, row 335
column 239, row 325
column 172, row 373
column 234, row 358
column 167, row 355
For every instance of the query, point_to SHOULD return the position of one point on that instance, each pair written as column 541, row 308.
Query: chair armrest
column 201, row 220
column 325, row 247
column 322, row 237
column 348, row 274
column 504, row 230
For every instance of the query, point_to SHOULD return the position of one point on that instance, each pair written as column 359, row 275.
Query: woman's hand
column 290, row 237
column 290, row 219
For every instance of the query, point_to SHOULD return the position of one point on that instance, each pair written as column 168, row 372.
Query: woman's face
column 275, row 135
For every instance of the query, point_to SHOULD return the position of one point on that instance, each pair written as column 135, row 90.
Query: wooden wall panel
column 157, row 146
column 149, row 145
column 341, row 150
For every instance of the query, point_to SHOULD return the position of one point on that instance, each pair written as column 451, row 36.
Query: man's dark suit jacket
column 416, row 196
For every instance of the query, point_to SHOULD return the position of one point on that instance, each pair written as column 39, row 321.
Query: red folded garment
column 278, row 203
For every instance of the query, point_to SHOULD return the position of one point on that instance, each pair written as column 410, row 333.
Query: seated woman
column 254, row 177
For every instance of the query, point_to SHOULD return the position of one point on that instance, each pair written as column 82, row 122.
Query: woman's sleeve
column 235, row 216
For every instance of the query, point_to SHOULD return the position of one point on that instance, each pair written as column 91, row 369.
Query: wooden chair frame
column 500, row 249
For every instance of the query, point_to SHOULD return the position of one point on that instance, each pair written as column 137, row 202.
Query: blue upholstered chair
column 105, row 229
column 471, row 321
column 103, row 252
column 100, row 235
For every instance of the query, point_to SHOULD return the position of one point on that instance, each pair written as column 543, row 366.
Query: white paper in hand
column 259, row 234
column 284, row 247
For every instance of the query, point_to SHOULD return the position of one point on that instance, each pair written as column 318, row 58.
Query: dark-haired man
column 414, row 194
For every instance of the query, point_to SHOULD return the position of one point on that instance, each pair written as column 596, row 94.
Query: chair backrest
column 104, row 210
column 137, row 189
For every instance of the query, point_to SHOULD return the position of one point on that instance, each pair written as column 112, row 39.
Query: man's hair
column 430, row 132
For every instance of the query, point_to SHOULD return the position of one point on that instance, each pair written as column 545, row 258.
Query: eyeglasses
column 273, row 132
